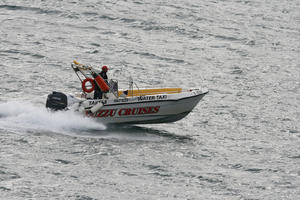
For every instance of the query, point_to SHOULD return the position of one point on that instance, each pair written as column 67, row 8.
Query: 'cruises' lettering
column 125, row 111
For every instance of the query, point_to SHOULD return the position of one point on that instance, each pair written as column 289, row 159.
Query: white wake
column 24, row 116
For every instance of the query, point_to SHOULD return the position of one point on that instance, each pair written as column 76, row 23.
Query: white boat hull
column 162, row 108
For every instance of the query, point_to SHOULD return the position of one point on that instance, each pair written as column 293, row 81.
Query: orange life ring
column 91, row 82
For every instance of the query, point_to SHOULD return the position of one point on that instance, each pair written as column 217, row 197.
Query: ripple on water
column 61, row 161
column 6, row 175
column 4, row 189
column 34, row 9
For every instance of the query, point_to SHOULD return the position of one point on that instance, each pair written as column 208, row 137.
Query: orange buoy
column 101, row 82
column 84, row 87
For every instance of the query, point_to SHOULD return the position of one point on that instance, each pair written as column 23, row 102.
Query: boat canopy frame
column 86, row 71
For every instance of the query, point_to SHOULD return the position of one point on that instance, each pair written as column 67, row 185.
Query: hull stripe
column 136, row 102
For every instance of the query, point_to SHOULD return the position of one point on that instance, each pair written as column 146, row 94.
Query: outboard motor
column 57, row 101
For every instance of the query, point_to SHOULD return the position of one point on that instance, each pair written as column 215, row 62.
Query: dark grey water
column 241, row 142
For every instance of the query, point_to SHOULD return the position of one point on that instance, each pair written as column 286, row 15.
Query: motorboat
column 131, row 106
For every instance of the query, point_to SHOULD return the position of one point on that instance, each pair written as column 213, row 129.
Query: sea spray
column 26, row 116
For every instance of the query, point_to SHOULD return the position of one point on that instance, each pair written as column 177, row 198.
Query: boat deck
column 153, row 91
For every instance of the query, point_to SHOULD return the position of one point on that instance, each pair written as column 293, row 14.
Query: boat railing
column 113, row 87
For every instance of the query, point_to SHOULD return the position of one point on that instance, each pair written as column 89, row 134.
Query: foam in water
column 22, row 116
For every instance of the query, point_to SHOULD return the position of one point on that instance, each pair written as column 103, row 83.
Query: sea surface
column 242, row 141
